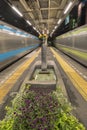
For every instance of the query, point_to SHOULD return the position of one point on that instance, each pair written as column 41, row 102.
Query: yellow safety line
column 8, row 84
column 76, row 79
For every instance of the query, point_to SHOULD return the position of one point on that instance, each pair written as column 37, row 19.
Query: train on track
column 14, row 44
column 74, row 44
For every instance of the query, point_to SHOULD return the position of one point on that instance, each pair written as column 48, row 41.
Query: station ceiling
column 43, row 14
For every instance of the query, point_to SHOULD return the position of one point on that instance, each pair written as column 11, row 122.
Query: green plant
column 40, row 109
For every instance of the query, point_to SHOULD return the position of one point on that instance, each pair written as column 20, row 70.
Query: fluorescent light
column 47, row 31
column 29, row 22
column 16, row 10
column 68, row 7
column 38, row 32
column 53, row 31
column 59, row 21
column 34, row 28
column 55, row 27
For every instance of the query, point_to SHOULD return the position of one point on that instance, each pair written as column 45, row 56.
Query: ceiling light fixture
column 16, row 10
column 55, row 27
column 29, row 22
column 68, row 7
column 53, row 31
column 34, row 28
column 38, row 31
column 59, row 21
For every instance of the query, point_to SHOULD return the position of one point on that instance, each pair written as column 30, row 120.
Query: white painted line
column 2, row 81
column 10, row 74
column 6, row 78
column 85, row 76
column 81, row 73
column 78, row 71
column 74, row 68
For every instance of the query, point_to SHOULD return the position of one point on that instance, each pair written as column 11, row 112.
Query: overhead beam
column 41, row 9
column 46, row 21
column 51, row 8
column 64, row 16
column 48, row 14
column 26, row 7
column 59, row 13
column 40, row 18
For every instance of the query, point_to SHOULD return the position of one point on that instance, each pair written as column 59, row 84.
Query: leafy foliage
column 40, row 109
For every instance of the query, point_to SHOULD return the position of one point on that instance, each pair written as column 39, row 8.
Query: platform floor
column 75, row 82
column 74, row 76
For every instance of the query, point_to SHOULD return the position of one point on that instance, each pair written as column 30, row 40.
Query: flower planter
column 43, row 79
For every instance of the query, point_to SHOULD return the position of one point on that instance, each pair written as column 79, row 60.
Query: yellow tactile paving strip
column 76, row 79
column 9, row 83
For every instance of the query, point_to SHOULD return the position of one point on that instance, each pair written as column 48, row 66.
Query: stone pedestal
column 44, row 57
